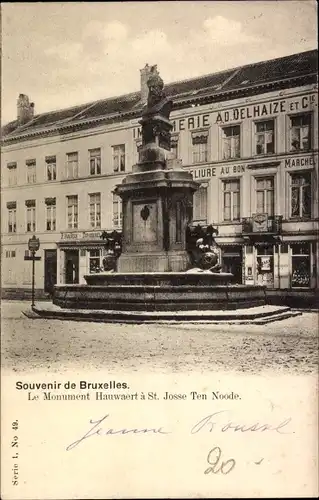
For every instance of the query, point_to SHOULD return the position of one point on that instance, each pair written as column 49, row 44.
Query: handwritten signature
column 99, row 431
column 213, row 422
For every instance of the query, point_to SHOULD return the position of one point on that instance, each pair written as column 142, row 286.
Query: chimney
column 145, row 74
column 25, row 109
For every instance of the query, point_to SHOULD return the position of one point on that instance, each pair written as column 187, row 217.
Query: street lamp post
column 33, row 245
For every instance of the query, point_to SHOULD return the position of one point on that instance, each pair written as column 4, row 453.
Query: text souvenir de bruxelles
column 251, row 111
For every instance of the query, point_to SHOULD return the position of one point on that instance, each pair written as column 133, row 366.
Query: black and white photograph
column 159, row 249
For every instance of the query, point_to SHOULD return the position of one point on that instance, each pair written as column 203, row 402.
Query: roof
column 242, row 80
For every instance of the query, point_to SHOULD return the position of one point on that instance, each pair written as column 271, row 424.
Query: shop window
column 300, row 132
column 72, row 212
column 12, row 216
column 94, row 261
column 95, row 210
column 95, row 161
column 265, row 137
column 30, row 216
column 12, row 173
column 117, row 211
column 200, row 204
column 300, row 191
column 231, row 200
column 50, row 214
column 72, row 165
column 300, row 257
column 265, row 265
column 231, row 142
column 200, row 147
column 50, row 162
column 265, row 195
column 31, row 171
column 284, row 248
column 119, row 158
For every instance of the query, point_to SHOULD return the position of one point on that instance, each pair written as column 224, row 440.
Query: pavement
column 289, row 346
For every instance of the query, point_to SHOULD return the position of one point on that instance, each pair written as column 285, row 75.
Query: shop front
column 79, row 253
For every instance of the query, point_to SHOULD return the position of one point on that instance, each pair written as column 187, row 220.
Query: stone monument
column 157, row 196
column 160, row 266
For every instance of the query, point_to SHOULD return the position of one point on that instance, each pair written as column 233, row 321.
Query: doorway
column 232, row 261
column 50, row 270
column 71, row 266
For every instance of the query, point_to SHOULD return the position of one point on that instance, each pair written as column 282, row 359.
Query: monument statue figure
column 157, row 102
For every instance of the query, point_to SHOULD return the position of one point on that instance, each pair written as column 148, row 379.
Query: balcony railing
column 262, row 224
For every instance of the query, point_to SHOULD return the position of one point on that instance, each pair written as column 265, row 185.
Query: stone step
column 255, row 315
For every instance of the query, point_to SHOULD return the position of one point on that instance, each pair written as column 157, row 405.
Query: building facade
column 248, row 135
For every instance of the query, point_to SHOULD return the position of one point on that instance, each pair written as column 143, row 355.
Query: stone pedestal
column 157, row 206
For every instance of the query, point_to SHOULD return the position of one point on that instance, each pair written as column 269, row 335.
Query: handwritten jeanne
column 219, row 421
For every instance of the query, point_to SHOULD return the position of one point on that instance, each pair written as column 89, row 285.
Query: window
column 265, row 195
column 95, row 261
column 265, row 137
column 174, row 146
column 95, row 210
column 300, row 132
column 72, row 165
column 31, row 171
column 300, row 263
column 12, row 216
column 50, row 214
column 117, row 211
column 95, row 161
column 231, row 142
column 119, row 158
column 12, row 174
column 72, row 212
column 50, row 162
column 10, row 254
column 231, row 190
column 30, row 208
column 301, row 194
column 200, row 204
column 200, row 147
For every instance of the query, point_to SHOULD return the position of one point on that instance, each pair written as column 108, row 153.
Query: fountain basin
column 203, row 291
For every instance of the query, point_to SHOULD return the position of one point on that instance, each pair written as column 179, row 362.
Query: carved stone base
column 153, row 262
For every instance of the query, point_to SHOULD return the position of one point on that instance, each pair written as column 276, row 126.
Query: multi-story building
column 249, row 135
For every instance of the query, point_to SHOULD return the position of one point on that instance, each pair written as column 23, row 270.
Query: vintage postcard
column 159, row 250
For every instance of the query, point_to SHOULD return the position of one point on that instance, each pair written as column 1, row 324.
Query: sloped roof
column 214, row 86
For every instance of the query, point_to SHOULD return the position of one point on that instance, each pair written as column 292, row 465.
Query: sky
column 64, row 54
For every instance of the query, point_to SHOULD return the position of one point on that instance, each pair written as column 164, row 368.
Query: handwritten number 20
column 218, row 465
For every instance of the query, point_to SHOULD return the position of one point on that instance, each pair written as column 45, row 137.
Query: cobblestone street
column 288, row 346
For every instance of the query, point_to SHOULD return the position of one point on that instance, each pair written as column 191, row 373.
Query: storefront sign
column 253, row 111
column 208, row 172
column 275, row 107
column 191, row 123
column 301, row 161
column 260, row 223
column 82, row 235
